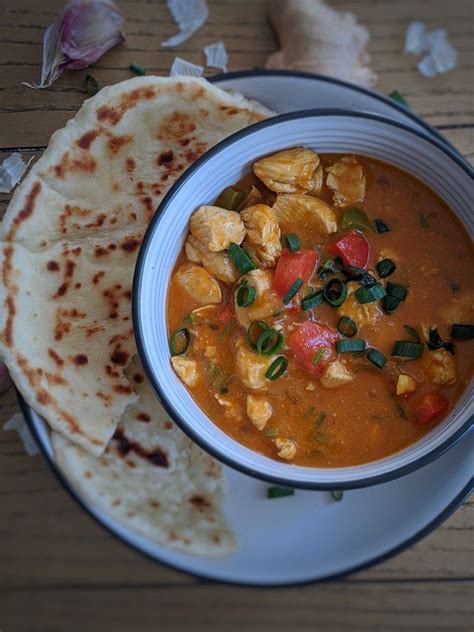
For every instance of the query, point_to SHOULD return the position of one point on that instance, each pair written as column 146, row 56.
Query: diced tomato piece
column 226, row 314
column 431, row 406
column 294, row 265
column 353, row 248
column 312, row 346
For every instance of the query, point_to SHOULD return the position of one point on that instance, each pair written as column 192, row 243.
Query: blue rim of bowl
column 141, row 345
column 456, row 502
column 261, row 72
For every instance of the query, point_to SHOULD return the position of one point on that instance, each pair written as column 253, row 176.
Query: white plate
column 309, row 537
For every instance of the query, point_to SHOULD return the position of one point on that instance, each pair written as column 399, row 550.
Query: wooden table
column 58, row 569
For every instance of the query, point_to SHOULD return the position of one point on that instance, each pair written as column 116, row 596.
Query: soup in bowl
column 318, row 307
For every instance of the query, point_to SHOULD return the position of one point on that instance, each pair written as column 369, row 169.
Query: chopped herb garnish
column 295, row 287
column 401, row 412
column 271, row 432
column 277, row 368
column 335, row 292
column 408, row 349
column 90, row 85
column 190, row 318
column 241, row 258
column 230, row 199
column 370, row 294
column 337, row 494
column 462, row 332
column 350, row 346
column 381, row 226
column 279, row 492
column 320, row 419
column 385, row 268
column 310, row 411
column 377, row 358
column 224, row 390
column 330, row 266
column 318, row 356
column 137, row 69
column 179, row 342
column 396, row 96
column 292, row 242
column 412, row 332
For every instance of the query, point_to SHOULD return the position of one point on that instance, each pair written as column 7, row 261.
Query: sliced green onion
column 312, row 300
column 350, row 346
column 356, row 218
column 90, row 85
column 293, row 290
column 434, row 339
column 385, row 268
column 230, row 199
column 137, row 69
column 269, row 342
column 335, row 292
column 347, row 326
column 279, row 492
column 240, row 258
column 245, row 295
column 396, row 96
column 277, row 368
column 254, row 332
column 390, row 304
column 397, row 291
column 462, row 332
column 318, row 356
column 359, row 274
column 337, row 494
column 292, row 242
column 377, row 358
column 329, row 266
column 408, row 349
column 370, row 294
column 381, row 226
column 179, row 342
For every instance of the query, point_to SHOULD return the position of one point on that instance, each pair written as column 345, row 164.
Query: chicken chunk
column 286, row 448
column 251, row 366
column 439, row 367
column 216, row 227
column 318, row 178
column 405, row 384
column 288, row 171
column 219, row 264
column 254, row 196
column 263, row 234
column 459, row 310
column 266, row 301
column 346, row 179
column 336, row 375
column 259, row 411
column 231, row 408
column 361, row 313
column 186, row 369
column 199, row 284
column 304, row 213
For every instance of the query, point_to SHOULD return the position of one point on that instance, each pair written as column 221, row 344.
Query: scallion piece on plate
column 385, row 268
column 381, row 226
column 370, row 294
column 297, row 285
column 292, row 242
column 269, row 342
column 347, row 326
column 408, row 349
column 397, row 291
column 257, row 327
column 137, row 69
column 230, row 199
column 240, row 258
column 462, row 332
column 312, row 300
column 377, row 358
column 335, row 292
column 356, row 218
column 179, row 342
column 279, row 492
column 277, row 368
column 390, row 304
column 245, row 295
column 337, row 494
column 350, row 346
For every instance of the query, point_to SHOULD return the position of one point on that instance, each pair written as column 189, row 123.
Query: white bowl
column 325, row 131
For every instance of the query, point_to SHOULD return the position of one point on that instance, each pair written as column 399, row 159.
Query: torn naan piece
column 152, row 478
column 70, row 238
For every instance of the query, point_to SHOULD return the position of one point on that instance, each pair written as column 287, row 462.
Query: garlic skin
column 78, row 37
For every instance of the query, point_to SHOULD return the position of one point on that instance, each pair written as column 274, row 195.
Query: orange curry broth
column 364, row 420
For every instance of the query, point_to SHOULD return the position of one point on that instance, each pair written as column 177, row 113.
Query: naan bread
column 152, row 478
column 70, row 238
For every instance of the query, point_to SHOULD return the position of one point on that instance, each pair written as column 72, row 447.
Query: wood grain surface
column 59, row 570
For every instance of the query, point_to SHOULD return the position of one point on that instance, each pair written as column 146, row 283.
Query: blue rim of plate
column 169, row 406
column 456, row 502
column 258, row 72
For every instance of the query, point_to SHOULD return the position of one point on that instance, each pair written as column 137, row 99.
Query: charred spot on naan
column 85, row 164
column 112, row 114
column 27, row 210
column 124, row 446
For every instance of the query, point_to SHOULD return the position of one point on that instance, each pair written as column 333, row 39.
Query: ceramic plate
column 309, row 536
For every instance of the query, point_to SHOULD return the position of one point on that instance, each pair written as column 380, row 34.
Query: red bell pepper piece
column 294, row 265
column 312, row 346
column 353, row 248
column 431, row 406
